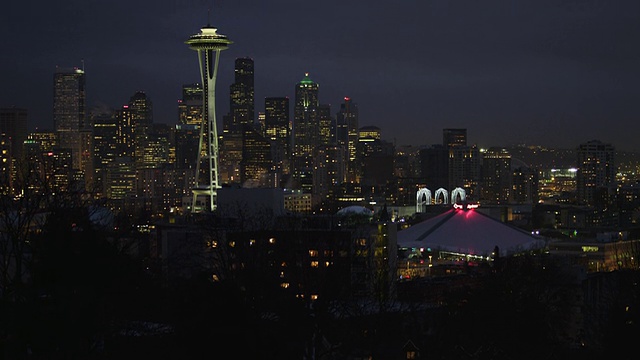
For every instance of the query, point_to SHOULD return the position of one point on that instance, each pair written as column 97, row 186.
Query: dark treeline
column 72, row 287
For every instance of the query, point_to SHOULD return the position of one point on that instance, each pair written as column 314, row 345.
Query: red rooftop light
column 465, row 206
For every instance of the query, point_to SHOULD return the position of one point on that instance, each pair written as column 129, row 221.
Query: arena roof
column 467, row 231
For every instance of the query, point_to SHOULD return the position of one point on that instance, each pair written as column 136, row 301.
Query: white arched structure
column 456, row 192
column 445, row 196
column 423, row 197
column 419, row 202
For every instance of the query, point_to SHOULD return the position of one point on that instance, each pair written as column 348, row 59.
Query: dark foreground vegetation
column 80, row 294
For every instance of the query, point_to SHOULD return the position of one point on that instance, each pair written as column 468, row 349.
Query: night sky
column 542, row 72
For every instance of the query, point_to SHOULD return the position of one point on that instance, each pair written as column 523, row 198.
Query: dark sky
column 545, row 72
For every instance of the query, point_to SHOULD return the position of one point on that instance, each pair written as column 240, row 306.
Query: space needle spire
column 208, row 43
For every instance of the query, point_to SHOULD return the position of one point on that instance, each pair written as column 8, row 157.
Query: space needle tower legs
column 208, row 43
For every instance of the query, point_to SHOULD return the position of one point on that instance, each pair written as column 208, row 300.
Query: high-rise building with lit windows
column 464, row 169
column 187, row 136
column 276, row 120
column 328, row 171
column 208, row 44
column 241, row 114
column 69, row 110
column 454, row 137
column 305, row 131
column 277, row 129
column 496, row 176
column 596, row 177
column 13, row 124
column 347, row 136
column 6, row 165
column 325, row 125
column 125, row 131
column 241, row 94
column 105, row 146
column 142, row 119
column 464, row 162
column 257, row 165
column 190, row 106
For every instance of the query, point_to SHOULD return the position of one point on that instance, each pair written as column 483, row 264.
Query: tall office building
column 69, row 110
column 276, row 120
column 305, row 131
column 464, row 162
column 464, row 169
column 525, row 185
column 434, row 167
column 454, row 137
column 241, row 115
column 190, row 106
column 187, row 136
column 278, row 130
column 208, row 44
column 496, row 176
column 105, row 146
column 328, row 172
column 125, row 131
column 374, row 163
column 241, row 94
column 6, row 165
column 596, row 177
column 325, row 125
column 141, row 108
column 256, row 164
column 347, row 136
column 13, row 124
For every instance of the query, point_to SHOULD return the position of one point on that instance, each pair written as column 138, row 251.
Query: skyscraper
column 305, row 131
column 325, row 125
column 13, row 124
column 242, row 94
column 187, row 137
column 276, row 120
column 190, row 106
column 6, row 180
column 454, row 137
column 105, row 145
column 277, row 129
column 496, row 176
column 241, row 116
column 347, row 135
column 69, row 110
column 208, row 44
column 142, row 120
column 596, row 172
column 464, row 161
column 256, row 164
column 125, row 132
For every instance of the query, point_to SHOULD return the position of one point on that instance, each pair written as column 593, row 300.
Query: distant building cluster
column 322, row 159
column 309, row 197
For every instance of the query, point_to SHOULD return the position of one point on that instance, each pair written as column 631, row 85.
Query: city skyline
column 550, row 73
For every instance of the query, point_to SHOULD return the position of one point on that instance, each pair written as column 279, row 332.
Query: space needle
column 208, row 43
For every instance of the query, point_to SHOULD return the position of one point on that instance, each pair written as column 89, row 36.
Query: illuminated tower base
column 208, row 43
